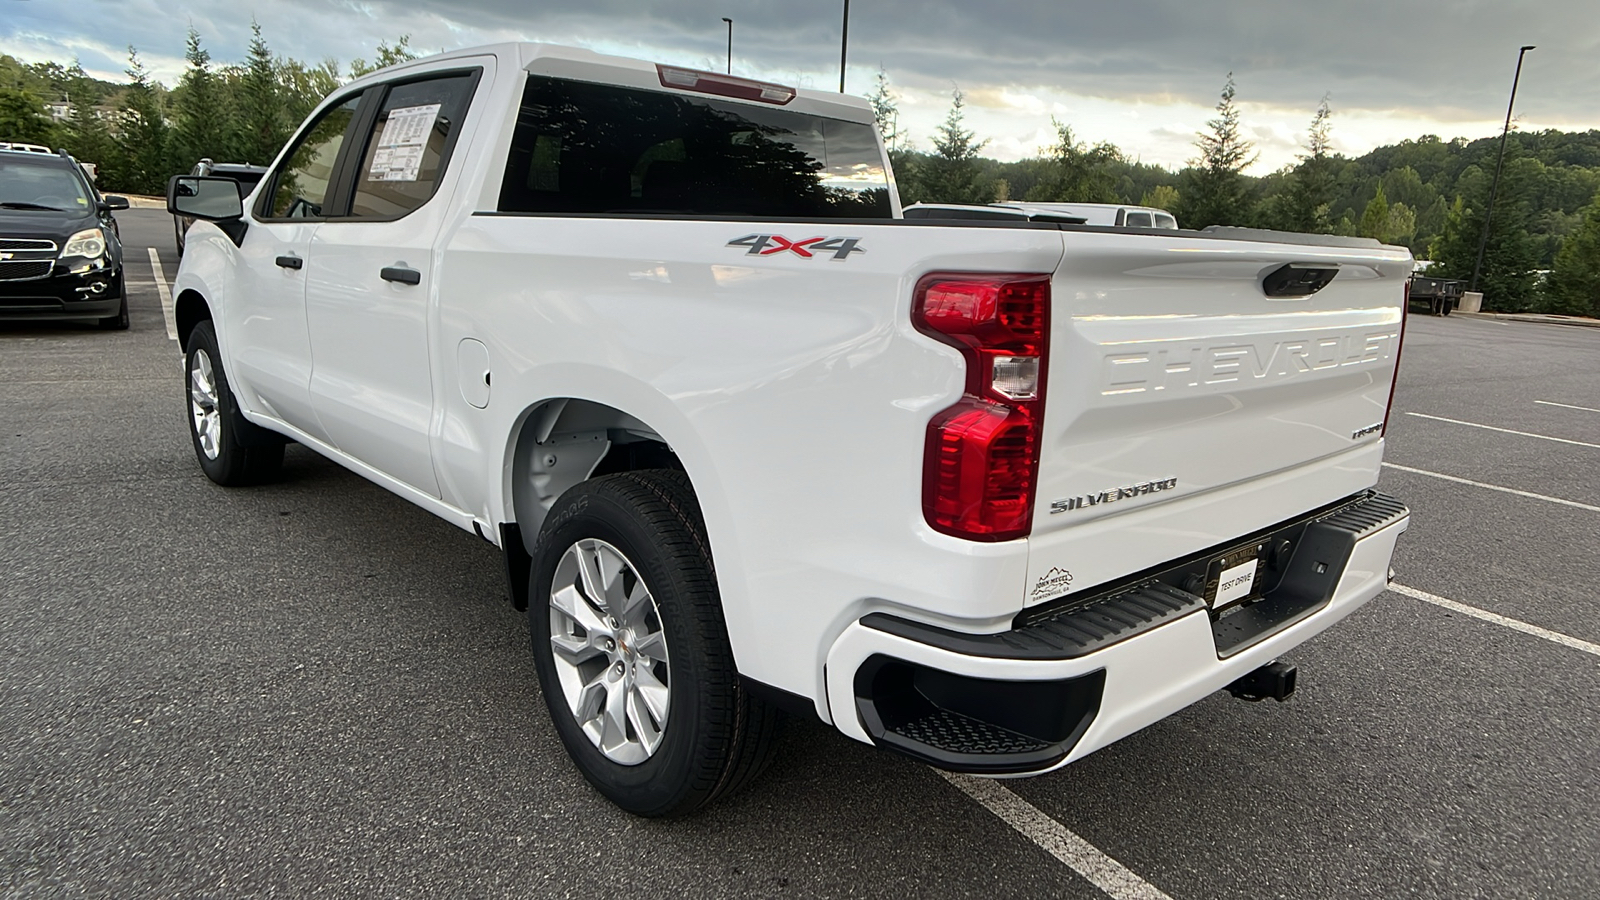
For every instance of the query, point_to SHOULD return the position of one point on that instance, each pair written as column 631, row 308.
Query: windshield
column 25, row 184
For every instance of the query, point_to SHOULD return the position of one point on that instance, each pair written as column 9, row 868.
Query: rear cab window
column 582, row 148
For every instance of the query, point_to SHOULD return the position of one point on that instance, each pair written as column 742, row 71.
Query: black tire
column 717, row 736
column 118, row 322
column 246, row 452
column 177, row 234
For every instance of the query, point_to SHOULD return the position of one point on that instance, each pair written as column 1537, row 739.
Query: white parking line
column 165, row 293
column 1492, row 487
column 1542, row 437
column 1082, row 857
column 1567, row 405
column 1514, row 624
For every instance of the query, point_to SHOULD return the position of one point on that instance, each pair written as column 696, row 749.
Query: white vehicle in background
column 990, row 494
column 1107, row 215
column 18, row 147
column 1111, row 215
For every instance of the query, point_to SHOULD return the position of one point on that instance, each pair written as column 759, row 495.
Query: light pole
column 844, row 44
column 730, row 43
column 1494, row 185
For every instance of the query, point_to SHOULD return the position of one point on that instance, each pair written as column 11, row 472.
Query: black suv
column 60, row 257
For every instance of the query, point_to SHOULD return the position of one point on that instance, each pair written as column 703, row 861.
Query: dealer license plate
column 1232, row 578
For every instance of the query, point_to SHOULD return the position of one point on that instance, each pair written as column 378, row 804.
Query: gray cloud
column 1450, row 60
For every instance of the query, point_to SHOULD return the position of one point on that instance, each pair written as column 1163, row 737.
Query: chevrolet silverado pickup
column 989, row 494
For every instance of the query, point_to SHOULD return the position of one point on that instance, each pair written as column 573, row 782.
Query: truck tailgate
column 1175, row 383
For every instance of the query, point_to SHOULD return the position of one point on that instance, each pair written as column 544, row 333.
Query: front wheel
column 632, row 650
column 232, row 451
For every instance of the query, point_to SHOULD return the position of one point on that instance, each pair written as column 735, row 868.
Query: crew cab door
column 269, row 349
column 370, row 277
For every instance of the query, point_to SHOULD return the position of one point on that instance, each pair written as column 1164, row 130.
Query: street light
column 844, row 44
column 1494, row 185
column 730, row 43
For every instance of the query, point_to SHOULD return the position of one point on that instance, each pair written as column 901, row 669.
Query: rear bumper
column 1069, row 681
column 93, row 295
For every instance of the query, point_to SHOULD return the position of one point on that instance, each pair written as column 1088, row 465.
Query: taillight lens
column 981, row 460
column 1399, row 345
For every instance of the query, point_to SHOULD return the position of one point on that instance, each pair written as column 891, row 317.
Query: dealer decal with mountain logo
column 1052, row 583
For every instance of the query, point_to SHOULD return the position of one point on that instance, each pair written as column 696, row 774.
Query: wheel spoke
column 591, row 577
column 590, row 700
column 644, row 724
column 653, row 693
column 575, row 650
column 653, row 646
column 631, row 606
column 614, row 733
column 571, row 604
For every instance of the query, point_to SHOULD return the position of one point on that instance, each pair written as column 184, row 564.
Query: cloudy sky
column 1143, row 74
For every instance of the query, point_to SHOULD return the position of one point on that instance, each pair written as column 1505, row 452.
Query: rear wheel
column 632, row 650
column 232, row 451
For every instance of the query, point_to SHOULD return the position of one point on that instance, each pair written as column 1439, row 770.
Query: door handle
column 290, row 262
column 401, row 275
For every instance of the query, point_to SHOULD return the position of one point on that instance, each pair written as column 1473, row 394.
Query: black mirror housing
column 204, row 197
column 114, row 202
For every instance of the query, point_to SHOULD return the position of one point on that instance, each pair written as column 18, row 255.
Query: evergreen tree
column 1079, row 173
column 886, row 110
column 200, row 129
column 1376, row 217
column 1215, row 191
column 260, row 124
column 952, row 173
column 1511, row 255
column 1574, row 284
column 1311, row 186
column 142, row 132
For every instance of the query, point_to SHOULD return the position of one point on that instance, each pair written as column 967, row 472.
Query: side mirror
column 114, row 202
column 202, row 197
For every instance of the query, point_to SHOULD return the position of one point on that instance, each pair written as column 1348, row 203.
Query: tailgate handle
column 401, row 275
column 1297, row 280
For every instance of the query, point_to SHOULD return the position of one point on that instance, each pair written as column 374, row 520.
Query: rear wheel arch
column 560, row 443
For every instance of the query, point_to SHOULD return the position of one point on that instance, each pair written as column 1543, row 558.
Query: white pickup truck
column 989, row 494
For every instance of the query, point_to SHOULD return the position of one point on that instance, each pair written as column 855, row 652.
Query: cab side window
column 1138, row 220
column 303, row 181
column 409, row 145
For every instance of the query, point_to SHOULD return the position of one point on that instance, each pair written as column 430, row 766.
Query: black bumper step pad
column 1301, row 582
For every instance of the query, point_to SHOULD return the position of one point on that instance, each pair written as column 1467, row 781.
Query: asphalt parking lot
column 315, row 689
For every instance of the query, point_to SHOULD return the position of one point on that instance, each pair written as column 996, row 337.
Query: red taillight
column 724, row 85
column 981, row 460
column 1399, row 345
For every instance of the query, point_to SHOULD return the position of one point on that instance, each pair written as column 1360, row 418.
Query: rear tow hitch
column 1275, row 680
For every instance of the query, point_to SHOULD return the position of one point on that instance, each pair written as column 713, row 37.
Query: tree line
column 139, row 133
column 1427, row 194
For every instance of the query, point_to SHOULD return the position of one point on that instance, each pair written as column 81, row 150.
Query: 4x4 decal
column 769, row 244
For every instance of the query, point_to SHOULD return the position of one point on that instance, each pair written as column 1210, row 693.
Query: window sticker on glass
column 405, row 136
